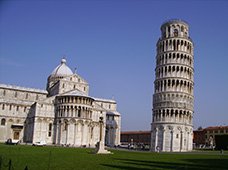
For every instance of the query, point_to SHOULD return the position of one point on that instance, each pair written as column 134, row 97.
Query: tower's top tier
column 175, row 28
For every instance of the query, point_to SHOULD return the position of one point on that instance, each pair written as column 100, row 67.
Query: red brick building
column 135, row 137
column 210, row 136
column 215, row 131
column 199, row 137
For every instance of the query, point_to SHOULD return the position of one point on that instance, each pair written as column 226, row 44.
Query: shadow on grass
column 193, row 164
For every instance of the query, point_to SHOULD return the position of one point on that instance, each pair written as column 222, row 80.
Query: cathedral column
column 59, row 132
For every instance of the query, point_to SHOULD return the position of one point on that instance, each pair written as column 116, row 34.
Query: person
column 221, row 151
column 158, row 149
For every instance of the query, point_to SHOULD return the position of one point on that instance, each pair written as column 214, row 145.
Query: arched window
column 49, row 129
column 175, row 32
column 65, row 126
column 4, row 92
column 79, row 113
column 169, row 29
column 3, row 122
column 174, row 45
column 169, row 70
column 169, row 82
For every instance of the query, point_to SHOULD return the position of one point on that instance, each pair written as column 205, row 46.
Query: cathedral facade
column 63, row 114
column 173, row 98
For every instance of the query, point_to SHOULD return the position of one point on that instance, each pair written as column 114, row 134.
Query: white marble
column 65, row 114
column 171, row 129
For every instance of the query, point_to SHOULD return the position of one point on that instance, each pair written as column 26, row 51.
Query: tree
column 200, row 128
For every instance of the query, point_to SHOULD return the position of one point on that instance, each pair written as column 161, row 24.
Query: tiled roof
column 135, row 132
column 216, row 127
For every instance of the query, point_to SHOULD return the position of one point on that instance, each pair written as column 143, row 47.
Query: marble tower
column 172, row 129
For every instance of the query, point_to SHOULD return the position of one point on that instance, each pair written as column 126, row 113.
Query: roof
column 75, row 92
column 171, row 21
column 113, row 113
column 13, row 87
column 105, row 100
column 216, row 127
column 62, row 70
column 135, row 132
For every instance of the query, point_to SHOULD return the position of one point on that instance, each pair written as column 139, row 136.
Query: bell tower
column 171, row 128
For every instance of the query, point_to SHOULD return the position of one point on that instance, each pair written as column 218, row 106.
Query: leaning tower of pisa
column 171, row 129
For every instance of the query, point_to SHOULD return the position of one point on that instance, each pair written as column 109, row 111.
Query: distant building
column 213, row 132
column 199, row 137
column 172, row 128
column 213, row 136
column 64, row 114
column 136, row 137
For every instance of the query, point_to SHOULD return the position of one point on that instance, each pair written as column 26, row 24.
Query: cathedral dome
column 62, row 70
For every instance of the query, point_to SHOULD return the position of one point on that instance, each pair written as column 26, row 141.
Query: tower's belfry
column 173, row 98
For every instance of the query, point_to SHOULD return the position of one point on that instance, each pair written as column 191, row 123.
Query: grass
column 58, row 158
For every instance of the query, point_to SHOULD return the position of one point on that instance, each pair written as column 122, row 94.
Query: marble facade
column 63, row 114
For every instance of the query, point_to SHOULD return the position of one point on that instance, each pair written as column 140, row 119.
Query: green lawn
column 57, row 158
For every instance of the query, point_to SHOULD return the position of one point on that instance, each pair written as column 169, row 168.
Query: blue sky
column 113, row 46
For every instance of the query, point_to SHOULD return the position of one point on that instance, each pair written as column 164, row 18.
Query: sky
column 113, row 46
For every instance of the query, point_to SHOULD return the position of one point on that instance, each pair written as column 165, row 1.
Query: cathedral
column 63, row 114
